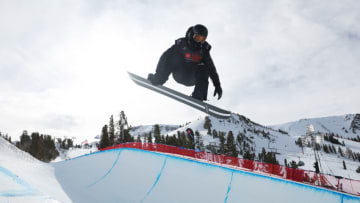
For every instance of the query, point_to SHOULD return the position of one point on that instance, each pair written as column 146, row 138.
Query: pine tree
column 215, row 134
column 70, row 143
column 179, row 139
column 293, row 164
column 262, row 155
column 122, row 125
column 326, row 149
column 348, row 153
column 189, row 141
column 104, row 141
column 248, row 155
column 49, row 151
column 222, row 149
column 35, row 146
column 207, row 125
column 199, row 143
column 111, row 131
column 39, row 146
column 316, row 166
column 149, row 138
column 25, row 141
column 127, row 136
column 157, row 133
column 157, row 130
column 230, row 145
column 239, row 139
column 270, row 158
column 317, row 147
column 334, row 149
column 6, row 137
column 285, row 162
column 157, row 139
column 63, row 144
column 341, row 152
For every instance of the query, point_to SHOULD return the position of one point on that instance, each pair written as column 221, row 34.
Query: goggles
column 199, row 38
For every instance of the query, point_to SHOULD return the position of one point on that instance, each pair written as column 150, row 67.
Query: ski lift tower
column 316, row 138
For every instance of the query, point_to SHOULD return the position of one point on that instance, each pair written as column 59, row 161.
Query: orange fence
column 298, row 175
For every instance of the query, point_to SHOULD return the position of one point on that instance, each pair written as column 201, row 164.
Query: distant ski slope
column 130, row 175
column 285, row 143
column 141, row 130
column 340, row 125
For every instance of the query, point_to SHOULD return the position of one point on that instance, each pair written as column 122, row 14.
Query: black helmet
column 200, row 30
column 196, row 35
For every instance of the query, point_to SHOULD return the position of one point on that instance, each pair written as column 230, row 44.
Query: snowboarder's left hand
column 218, row 91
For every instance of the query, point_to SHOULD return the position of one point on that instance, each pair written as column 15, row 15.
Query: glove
column 218, row 91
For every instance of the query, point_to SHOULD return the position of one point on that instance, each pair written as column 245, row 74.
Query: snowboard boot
column 201, row 84
column 150, row 77
column 198, row 95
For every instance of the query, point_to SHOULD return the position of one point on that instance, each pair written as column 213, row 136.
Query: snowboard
column 197, row 104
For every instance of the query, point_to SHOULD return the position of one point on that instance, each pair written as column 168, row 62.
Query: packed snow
column 340, row 125
column 130, row 175
column 74, row 152
column 25, row 179
column 284, row 143
column 87, row 175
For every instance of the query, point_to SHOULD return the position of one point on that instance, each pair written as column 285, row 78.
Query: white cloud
column 63, row 63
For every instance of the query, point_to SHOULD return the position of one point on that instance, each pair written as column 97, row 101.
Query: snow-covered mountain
column 347, row 126
column 141, row 130
column 26, row 179
column 281, row 140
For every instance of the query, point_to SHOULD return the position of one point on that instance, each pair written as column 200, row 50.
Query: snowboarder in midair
column 190, row 63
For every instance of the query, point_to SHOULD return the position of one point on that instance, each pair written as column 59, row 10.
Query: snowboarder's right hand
column 218, row 91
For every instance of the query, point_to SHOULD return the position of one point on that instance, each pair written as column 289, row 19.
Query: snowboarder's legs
column 198, row 76
column 183, row 73
column 201, row 84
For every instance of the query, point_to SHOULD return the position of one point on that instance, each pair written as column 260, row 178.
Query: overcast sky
column 63, row 63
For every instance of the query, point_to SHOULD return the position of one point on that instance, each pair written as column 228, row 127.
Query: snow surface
column 73, row 152
column 130, row 175
column 147, row 176
column 334, row 124
column 25, row 179
column 141, row 130
column 284, row 144
column 331, row 163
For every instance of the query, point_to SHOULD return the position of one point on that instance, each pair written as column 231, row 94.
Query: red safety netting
column 298, row 175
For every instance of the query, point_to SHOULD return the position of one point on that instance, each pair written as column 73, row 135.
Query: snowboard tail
column 197, row 104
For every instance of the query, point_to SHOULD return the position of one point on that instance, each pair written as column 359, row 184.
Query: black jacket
column 183, row 58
